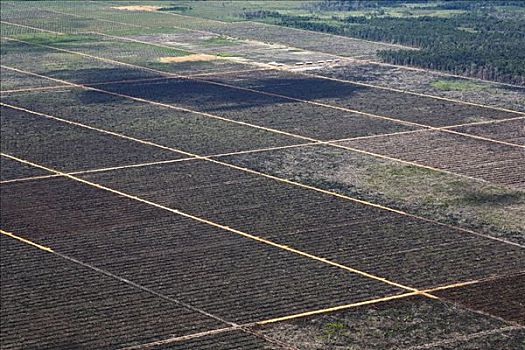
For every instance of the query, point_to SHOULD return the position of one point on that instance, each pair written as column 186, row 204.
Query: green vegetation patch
column 220, row 41
column 458, row 85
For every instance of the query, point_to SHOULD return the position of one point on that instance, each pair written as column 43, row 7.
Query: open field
column 177, row 182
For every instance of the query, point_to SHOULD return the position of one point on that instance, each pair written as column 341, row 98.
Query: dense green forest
column 486, row 40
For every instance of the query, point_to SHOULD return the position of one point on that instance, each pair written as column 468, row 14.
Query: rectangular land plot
column 384, row 325
column 151, row 55
column 268, row 111
column 492, row 162
column 254, row 51
column 469, row 203
column 67, row 66
column 429, row 82
column 49, row 302
column 406, row 107
column 330, row 44
column 334, row 228
column 169, row 127
column 67, row 147
column 512, row 131
column 223, row 273
column 503, row 297
column 12, row 80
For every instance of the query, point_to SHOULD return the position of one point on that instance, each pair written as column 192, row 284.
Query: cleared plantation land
column 246, row 107
column 168, row 127
column 427, row 322
column 512, row 131
column 346, row 232
column 429, row 83
column 78, row 302
column 393, row 104
column 482, row 297
column 492, row 162
column 469, row 203
column 215, row 270
column 70, row 147
column 166, row 185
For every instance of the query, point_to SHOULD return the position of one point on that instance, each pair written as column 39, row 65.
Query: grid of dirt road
column 158, row 193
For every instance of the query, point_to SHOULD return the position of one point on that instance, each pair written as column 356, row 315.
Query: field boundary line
column 483, row 122
column 29, row 178
column 316, row 103
column 160, row 162
column 180, row 338
column 30, row 27
column 35, row 89
column 27, row 241
column 289, row 181
column 366, row 302
column 134, row 285
column 463, row 338
column 223, row 227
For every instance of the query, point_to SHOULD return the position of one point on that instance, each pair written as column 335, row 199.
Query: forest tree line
column 477, row 43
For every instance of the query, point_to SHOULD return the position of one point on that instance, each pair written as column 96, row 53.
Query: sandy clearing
column 189, row 58
column 137, row 8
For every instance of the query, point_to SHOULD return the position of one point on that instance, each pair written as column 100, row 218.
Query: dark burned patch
column 100, row 75
column 503, row 297
column 400, row 324
column 399, row 105
column 194, row 94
